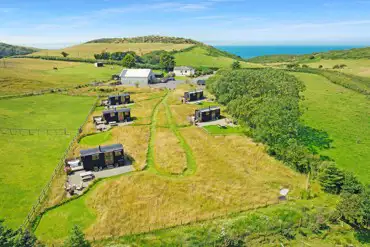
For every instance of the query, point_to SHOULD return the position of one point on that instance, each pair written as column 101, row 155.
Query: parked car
column 201, row 82
column 167, row 79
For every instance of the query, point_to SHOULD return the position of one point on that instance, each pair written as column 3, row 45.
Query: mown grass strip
column 190, row 160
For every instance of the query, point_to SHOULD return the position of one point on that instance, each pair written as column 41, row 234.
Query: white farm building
column 140, row 77
column 184, row 71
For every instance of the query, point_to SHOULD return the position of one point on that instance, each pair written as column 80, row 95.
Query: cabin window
column 117, row 153
column 112, row 114
column 186, row 71
column 117, row 97
column 95, row 157
column 127, row 113
column 207, row 113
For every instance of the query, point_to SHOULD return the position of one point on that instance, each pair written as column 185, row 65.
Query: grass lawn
column 88, row 50
column 216, row 130
column 29, row 160
column 344, row 115
column 226, row 174
column 360, row 67
column 198, row 57
column 20, row 75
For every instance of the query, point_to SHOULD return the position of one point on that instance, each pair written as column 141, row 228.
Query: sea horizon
column 250, row 51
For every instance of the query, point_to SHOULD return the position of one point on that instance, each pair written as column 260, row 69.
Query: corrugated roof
column 89, row 151
column 101, row 149
column 117, row 110
column 122, row 94
column 196, row 91
column 144, row 73
column 212, row 108
column 183, row 67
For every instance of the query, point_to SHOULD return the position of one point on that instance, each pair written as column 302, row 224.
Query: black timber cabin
column 117, row 115
column 194, row 95
column 102, row 156
column 119, row 99
column 207, row 114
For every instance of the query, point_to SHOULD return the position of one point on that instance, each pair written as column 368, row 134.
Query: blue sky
column 258, row 22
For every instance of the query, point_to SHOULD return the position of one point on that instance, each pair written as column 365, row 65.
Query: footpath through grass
column 29, row 160
column 344, row 115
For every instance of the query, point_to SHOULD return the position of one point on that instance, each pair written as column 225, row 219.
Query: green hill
column 7, row 50
column 356, row 53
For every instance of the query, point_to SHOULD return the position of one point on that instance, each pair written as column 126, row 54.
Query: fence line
column 16, row 131
column 33, row 212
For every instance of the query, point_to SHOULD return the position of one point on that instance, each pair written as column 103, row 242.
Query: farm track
column 190, row 160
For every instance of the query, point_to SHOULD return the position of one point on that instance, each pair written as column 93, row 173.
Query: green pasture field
column 199, row 57
column 21, row 75
column 29, row 160
column 360, row 67
column 88, row 50
column 344, row 115
column 216, row 130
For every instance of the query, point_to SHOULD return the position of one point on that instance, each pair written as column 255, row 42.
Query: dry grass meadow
column 231, row 173
column 88, row 50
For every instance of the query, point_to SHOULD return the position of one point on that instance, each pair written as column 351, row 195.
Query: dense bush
column 19, row 238
column 268, row 101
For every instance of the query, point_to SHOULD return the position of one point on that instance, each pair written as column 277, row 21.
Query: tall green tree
column 236, row 65
column 332, row 179
column 128, row 61
column 76, row 239
column 167, row 61
column 20, row 238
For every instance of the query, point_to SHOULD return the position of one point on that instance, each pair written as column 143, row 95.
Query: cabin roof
column 117, row 110
column 122, row 94
column 196, row 91
column 211, row 108
column 101, row 149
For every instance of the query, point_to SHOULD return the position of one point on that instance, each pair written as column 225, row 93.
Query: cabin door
column 121, row 116
column 213, row 115
column 109, row 158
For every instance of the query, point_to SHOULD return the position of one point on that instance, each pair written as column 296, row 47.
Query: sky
column 55, row 24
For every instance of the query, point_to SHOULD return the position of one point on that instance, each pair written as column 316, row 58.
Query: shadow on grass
column 363, row 236
column 315, row 140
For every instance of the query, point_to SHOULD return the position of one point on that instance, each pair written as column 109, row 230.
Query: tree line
column 25, row 238
column 267, row 101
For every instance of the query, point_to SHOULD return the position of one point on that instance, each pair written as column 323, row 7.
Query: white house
column 184, row 71
column 141, row 77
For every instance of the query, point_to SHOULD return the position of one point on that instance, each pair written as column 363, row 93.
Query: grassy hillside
column 89, row 49
column 344, row 115
column 222, row 174
column 7, row 50
column 29, row 160
column 356, row 53
column 359, row 67
column 20, row 75
column 199, row 56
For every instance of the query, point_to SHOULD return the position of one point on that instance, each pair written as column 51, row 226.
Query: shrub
column 332, row 179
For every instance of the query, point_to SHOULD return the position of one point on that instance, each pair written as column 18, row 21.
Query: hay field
column 21, row 75
column 29, row 160
column 169, row 155
column 88, row 50
column 232, row 173
column 360, row 67
column 344, row 115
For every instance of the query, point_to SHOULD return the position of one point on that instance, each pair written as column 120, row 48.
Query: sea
column 254, row 51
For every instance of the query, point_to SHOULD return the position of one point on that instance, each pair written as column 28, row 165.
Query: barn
column 194, row 95
column 102, row 157
column 207, row 114
column 117, row 115
column 119, row 99
column 139, row 77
